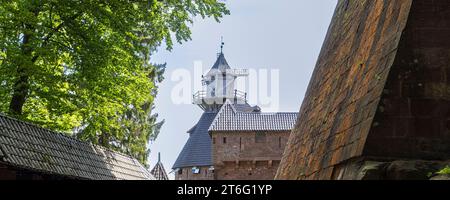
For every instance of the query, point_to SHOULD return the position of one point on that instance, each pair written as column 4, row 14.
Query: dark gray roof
column 192, row 129
column 197, row 150
column 158, row 170
column 230, row 119
column 28, row 146
column 221, row 63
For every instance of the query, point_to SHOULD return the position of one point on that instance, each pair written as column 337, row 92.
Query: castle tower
column 220, row 86
column 195, row 160
column 380, row 93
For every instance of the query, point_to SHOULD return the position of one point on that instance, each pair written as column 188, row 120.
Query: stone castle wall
column 247, row 170
column 380, row 89
column 186, row 174
column 413, row 116
column 247, row 155
column 345, row 88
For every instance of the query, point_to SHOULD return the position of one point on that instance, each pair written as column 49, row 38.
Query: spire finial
column 221, row 45
column 159, row 156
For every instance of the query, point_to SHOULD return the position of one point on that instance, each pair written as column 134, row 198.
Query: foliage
column 140, row 125
column 445, row 171
column 82, row 66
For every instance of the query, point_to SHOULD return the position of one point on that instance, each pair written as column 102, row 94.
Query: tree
column 139, row 123
column 82, row 66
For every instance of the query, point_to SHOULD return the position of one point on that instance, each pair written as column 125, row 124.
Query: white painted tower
column 219, row 85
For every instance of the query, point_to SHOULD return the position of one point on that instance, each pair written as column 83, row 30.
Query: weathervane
column 221, row 46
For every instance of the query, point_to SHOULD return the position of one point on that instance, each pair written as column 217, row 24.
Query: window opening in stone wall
column 211, row 169
column 195, row 170
column 240, row 144
column 279, row 142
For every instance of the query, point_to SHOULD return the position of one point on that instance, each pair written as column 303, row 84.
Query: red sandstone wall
column 346, row 86
column 246, row 157
column 413, row 118
column 205, row 174
column 247, row 170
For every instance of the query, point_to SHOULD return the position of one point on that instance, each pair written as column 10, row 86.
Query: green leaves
column 445, row 171
column 82, row 67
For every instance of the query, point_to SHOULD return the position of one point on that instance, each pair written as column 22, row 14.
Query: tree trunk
column 21, row 86
column 103, row 139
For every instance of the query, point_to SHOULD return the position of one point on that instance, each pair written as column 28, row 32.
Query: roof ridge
column 221, row 111
column 246, row 121
column 268, row 113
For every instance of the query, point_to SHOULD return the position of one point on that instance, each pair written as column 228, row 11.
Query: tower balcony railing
column 201, row 97
column 228, row 72
column 238, row 72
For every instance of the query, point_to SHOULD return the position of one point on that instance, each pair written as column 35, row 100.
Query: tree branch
column 55, row 30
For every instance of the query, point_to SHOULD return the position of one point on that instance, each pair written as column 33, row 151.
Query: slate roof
column 230, row 119
column 197, row 150
column 221, row 63
column 27, row 146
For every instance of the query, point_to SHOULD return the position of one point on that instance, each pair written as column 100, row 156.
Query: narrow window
column 214, row 140
column 224, row 140
column 240, row 144
column 279, row 142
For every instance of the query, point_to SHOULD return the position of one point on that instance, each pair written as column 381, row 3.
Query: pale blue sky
column 283, row 34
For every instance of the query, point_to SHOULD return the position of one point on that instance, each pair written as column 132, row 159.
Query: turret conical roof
column 221, row 63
